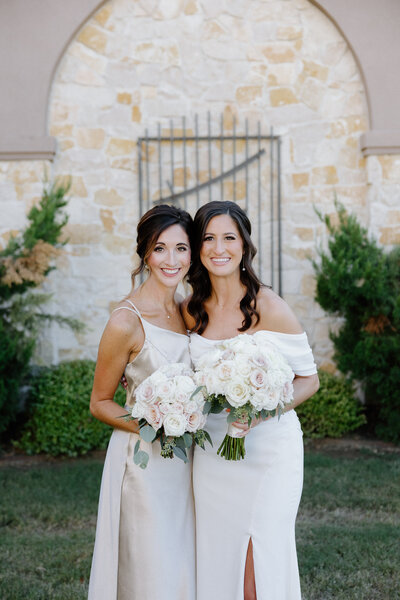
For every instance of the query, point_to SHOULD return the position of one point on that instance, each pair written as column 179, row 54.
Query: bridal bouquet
column 169, row 406
column 251, row 379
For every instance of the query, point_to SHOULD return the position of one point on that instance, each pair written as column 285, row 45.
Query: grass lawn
column 348, row 533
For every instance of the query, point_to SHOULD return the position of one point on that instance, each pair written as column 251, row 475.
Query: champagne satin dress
column 145, row 537
column 256, row 498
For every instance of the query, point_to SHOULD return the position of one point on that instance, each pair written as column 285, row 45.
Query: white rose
column 146, row 392
column 271, row 399
column 242, row 366
column 185, row 384
column 154, row 417
column 175, row 424
column 198, row 399
column 214, row 385
column 157, row 377
column 237, row 392
column 166, row 390
column 287, row 392
column 196, row 421
column 259, row 360
column 225, row 370
column 258, row 378
column 258, row 400
column 138, row 410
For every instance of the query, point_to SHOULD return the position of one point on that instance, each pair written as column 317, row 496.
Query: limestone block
column 213, row 30
column 120, row 147
column 108, row 197
column 390, row 165
column 306, row 234
column 107, row 218
column 289, row 33
column 103, row 15
column 300, row 180
column 163, row 52
column 191, row 7
column 278, row 54
column 90, row 138
column 249, row 93
column 282, row 96
column 169, row 9
column 179, row 176
column 86, row 76
column 211, row 8
column 315, row 70
column 77, row 233
column 283, row 74
column 239, row 189
column 64, row 130
column 312, row 94
column 324, row 175
column 390, row 235
column 93, row 38
column 124, row 98
column 117, row 244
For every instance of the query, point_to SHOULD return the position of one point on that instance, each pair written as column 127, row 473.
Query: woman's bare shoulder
column 187, row 317
column 275, row 313
column 123, row 326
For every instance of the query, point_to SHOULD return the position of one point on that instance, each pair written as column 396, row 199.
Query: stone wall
column 137, row 63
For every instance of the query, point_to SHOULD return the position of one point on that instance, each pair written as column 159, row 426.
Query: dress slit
column 250, row 567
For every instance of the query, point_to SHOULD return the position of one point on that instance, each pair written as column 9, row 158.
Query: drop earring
column 243, row 267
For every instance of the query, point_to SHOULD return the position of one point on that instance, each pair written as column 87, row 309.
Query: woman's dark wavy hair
column 198, row 274
column 151, row 226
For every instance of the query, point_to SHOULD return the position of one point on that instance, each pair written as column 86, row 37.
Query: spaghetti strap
column 137, row 311
column 133, row 309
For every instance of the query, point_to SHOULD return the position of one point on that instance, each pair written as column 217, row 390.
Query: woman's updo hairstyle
column 198, row 274
column 151, row 226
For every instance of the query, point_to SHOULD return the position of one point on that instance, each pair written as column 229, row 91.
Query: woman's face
column 222, row 247
column 169, row 260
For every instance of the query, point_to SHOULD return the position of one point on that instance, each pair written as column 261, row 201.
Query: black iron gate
column 178, row 165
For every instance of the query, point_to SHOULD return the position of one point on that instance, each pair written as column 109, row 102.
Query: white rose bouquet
column 248, row 377
column 169, row 407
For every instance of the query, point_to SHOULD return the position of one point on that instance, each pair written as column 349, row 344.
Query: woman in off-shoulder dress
column 245, row 510
column 145, row 542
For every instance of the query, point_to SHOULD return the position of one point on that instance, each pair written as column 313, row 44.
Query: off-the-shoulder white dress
column 256, row 498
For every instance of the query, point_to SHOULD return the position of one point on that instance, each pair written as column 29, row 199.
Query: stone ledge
column 380, row 141
column 28, row 148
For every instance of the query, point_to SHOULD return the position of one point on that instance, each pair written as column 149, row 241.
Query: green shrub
column 360, row 282
column 332, row 411
column 60, row 421
column 24, row 264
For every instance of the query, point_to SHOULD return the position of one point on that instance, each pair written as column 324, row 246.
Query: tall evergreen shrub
column 24, row 264
column 360, row 282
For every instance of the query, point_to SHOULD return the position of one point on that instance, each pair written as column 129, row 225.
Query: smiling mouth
column 220, row 261
column 170, row 272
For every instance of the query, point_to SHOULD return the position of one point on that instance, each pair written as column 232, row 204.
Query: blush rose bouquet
column 169, row 407
column 248, row 377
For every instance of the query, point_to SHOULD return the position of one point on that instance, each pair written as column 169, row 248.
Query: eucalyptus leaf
column 207, row 407
column 180, row 442
column 188, row 439
column 181, row 454
column 137, row 447
column 147, row 433
column 208, row 437
column 141, row 458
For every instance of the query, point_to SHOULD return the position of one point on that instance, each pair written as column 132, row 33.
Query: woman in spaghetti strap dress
column 145, row 542
column 245, row 510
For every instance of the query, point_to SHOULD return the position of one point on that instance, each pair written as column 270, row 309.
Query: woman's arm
column 121, row 341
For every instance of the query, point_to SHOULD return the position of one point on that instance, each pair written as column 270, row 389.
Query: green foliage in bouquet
column 60, row 421
column 24, row 265
column 359, row 282
column 333, row 410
